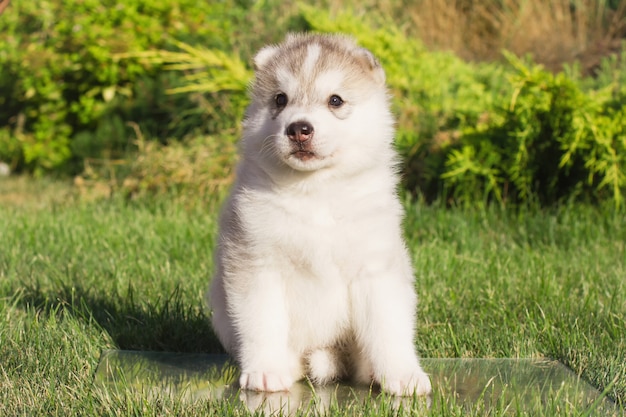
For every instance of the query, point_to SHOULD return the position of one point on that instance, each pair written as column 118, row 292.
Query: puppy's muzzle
column 300, row 136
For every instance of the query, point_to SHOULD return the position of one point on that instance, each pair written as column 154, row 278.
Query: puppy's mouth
column 303, row 155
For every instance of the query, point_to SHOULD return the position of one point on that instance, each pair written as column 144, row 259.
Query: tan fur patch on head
column 302, row 58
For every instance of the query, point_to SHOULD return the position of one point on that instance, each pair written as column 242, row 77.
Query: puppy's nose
column 300, row 131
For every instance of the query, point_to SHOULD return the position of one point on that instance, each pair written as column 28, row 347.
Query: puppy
column 313, row 278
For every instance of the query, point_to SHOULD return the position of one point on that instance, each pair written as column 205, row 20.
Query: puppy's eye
column 281, row 100
column 335, row 101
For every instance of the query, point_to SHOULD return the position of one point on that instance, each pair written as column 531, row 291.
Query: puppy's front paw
column 417, row 383
column 265, row 381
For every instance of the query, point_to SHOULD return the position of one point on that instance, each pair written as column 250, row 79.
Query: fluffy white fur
column 312, row 274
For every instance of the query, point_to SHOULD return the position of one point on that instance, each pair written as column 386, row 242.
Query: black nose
column 300, row 131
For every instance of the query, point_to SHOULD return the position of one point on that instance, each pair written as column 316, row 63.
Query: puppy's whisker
column 267, row 146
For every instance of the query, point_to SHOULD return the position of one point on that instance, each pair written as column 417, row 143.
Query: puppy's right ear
column 374, row 65
column 264, row 56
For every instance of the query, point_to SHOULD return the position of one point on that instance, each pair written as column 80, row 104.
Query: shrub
column 64, row 94
column 548, row 140
column 192, row 170
column 86, row 81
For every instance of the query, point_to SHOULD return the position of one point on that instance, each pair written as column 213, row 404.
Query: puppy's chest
column 308, row 223
column 306, row 233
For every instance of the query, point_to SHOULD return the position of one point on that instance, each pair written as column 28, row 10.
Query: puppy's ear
column 264, row 56
column 266, row 53
column 373, row 64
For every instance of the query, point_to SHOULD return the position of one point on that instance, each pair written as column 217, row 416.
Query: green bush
column 193, row 171
column 547, row 140
column 64, row 93
column 85, row 80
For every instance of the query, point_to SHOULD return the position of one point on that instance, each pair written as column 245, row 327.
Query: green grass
column 76, row 278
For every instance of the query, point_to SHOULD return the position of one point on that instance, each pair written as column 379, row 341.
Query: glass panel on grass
column 508, row 386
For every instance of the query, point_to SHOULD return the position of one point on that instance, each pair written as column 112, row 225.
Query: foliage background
column 144, row 98
column 147, row 96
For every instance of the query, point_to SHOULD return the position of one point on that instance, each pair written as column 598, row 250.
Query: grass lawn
column 79, row 277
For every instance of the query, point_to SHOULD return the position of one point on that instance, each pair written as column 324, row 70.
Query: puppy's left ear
column 264, row 56
column 373, row 64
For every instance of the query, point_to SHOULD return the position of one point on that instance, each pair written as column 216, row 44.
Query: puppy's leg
column 222, row 324
column 383, row 314
column 326, row 365
column 261, row 321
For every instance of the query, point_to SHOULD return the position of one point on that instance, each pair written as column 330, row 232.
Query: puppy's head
column 318, row 102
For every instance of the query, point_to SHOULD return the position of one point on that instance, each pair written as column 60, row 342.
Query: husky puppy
column 312, row 274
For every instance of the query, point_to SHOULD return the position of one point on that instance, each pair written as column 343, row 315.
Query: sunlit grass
column 77, row 278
